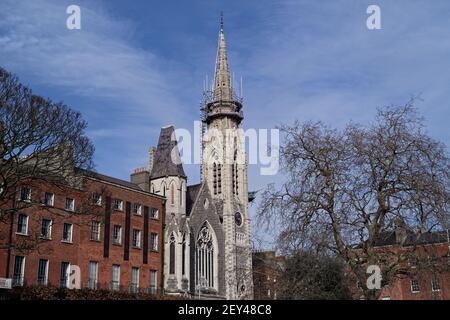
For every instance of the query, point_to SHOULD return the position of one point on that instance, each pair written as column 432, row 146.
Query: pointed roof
column 191, row 196
column 167, row 160
column 222, row 80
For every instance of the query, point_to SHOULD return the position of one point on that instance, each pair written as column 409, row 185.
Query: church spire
column 222, row 80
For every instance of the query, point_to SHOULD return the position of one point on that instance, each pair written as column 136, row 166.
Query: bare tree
column 346, row 188
column 40, row 140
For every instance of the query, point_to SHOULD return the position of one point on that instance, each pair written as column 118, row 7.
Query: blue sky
column 138, row 65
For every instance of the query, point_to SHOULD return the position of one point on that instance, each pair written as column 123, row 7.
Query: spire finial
column 222, row 81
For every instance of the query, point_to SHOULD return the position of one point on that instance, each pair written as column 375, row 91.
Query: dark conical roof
column 167, row 160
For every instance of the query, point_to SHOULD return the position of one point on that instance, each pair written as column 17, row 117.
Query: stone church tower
column 224, row 168
column 207, row 236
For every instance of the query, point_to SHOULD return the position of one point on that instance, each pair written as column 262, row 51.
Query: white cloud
column 97, row 61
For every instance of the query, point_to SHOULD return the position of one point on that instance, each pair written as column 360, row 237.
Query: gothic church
column 207, row 237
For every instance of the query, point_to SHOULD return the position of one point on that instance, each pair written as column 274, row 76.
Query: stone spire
column 222, row 80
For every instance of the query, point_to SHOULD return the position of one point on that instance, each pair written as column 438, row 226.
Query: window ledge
column 22, row 234
column 67, row 241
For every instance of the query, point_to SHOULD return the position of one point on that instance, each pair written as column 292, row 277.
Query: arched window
column 219, row 178
column 181, row 193
column 234, row 172
column 236, row 178
column 163, row 188
column 172, row 194
column 205, row 258
column 215, row 178
column 233, row 179
column 172, row 254
column 183, row 256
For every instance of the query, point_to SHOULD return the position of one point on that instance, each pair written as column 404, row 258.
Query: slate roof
column 388, row 238
column 106, row 178
column 191, row 196
column 163, row 165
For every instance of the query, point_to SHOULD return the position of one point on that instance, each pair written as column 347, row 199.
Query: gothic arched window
column 181, row 193
column 183, row 256
column 219, row 178
column 215, row 178
column 172, row 254
column 205, row 258
column 233, row 179
column 163, row 188
column 172, row 194
column 236, row 178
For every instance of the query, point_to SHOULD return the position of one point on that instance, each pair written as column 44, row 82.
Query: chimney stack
column 400, row 231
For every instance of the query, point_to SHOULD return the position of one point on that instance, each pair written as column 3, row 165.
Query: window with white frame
column 93, row 274
column 49, row 199
column 42, row 278
column 96, row 199
column 435, row 284
column 67, row 232
column 154, row 241
column 95, row 230
column 134, row 279
column 153, row 281
column 115, row 277
column 117, row 234
column 64, row 275
column 46, row 229
column 137, row 209
column 413, row 262
column 136, row 238
column 25, row 193
column 415, row 286
column 154, row 213
column 19, row 271
column 118, row 205
column 22, row 224
column 69, row 204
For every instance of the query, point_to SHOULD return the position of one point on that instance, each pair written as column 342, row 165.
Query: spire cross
column 221, row 20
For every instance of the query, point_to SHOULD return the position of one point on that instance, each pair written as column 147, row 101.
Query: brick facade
column 423, row 274
column 267, row 272
column 83, row 247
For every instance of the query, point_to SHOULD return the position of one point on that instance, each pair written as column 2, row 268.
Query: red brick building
column 267, row 272
column 106, row 230
column 425, row 275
